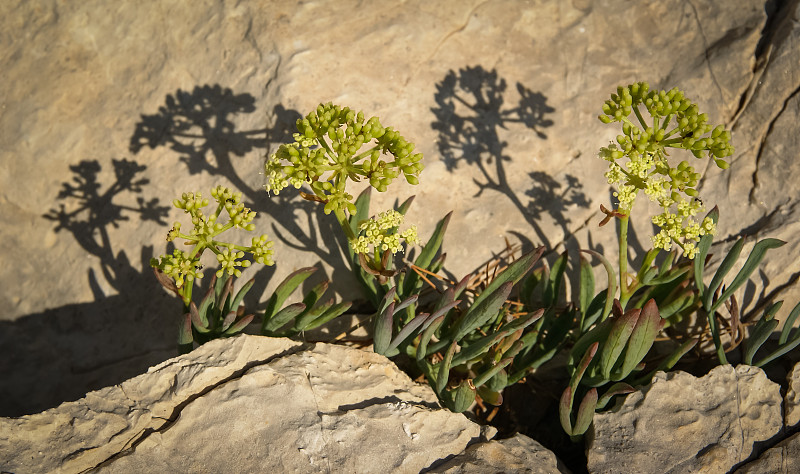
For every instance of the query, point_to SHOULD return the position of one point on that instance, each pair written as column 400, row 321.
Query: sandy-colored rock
column 680, row 423
column 782, row 458
column 791, row 404
column 517, row 454
column 111, row 110
column 246, row 404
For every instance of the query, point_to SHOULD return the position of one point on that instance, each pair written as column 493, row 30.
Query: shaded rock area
column 255, row 404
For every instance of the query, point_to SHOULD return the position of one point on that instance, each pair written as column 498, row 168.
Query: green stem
column 623, row 261
column 639, row 116
column 344, row 223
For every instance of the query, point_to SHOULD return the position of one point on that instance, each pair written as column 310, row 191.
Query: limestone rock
column 680, row 423
column 246, row 404
column 791, row 405
column 517, row 454
column 783, row 458
column 110, row 111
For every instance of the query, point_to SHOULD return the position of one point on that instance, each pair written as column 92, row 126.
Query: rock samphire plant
column 472, row 338
column 220, row 312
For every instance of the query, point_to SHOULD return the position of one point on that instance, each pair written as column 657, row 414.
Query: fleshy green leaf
column 281, row 318
column 617, row 339
column 587, row 286
column 752, row 262
column 585, row 413
column 239, row 325
column 282, row 292
column 644, row 334
column 612, row 282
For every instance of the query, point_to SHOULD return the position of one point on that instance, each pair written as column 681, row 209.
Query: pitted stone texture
column 783, row 458
column 246, row 404
column 680, row 423
column 81, row 434
column 791, row 407
column 517, row 454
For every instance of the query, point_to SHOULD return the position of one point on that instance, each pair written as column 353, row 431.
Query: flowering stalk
column 676, row 123
column 184, row 267
column 326, row 153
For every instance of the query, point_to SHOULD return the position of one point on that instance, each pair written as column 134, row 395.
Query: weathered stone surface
column 245, row 404
column 681, row 423
column 517, row 454
column 79, row 435
column 791, row 405
column 110, row 110
column 783, row 458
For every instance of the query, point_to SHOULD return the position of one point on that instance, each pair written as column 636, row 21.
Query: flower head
column 380, row 234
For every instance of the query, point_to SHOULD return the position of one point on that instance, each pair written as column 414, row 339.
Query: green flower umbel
column 380, row 234
column 183, row 267
column 327, row 152
column 638, row 160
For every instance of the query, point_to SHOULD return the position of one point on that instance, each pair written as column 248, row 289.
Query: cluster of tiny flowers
column 327, row 152
column 380, row 233
column 676, row 124
column 228, row 261
column 683, row 230
column 182, row 266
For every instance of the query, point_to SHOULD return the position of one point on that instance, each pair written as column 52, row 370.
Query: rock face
column 681, row 423
column 111, row 110
column 517, row 454
column 256, row 404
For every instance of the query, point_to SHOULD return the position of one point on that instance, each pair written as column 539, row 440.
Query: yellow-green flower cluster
column 183, row 266
column 380, row 234
column 676, row 124
column 327, row 152
column 180, row 267
column 682, row 228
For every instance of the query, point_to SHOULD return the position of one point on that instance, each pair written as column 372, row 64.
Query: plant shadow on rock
column 470, row 117
column 199, row 127
column 61, row 353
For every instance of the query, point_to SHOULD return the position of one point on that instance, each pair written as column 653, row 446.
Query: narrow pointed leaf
column 585, row 413
column 286, row 288
column 237, row 300
column 205, row 304
column 727, row 264
column 617, row 339
column 702, row 251
column 409, row 330
column 282, row 317
column 311, row 314
column 427, row 254
column 477, row 348
column 239, row 325
column 587, row 285
column 556, row 279
column 757, row 338
column 426, row 337
column 197, row 321
column 612, row 283
column 752, row 262
column 166, row 281
column 484, row 377
column 641, row 340
column 619, row 388
column 459, row 399
column 185, row 336
column 483, row 310
column 565, row 410
column 333, row 312
column 382, row 332
column 788, row 324
column 444, row 369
